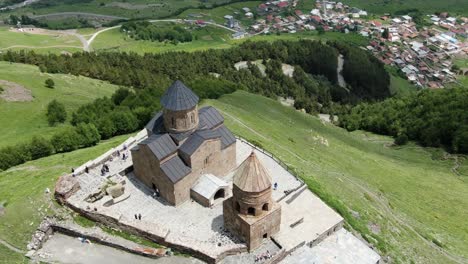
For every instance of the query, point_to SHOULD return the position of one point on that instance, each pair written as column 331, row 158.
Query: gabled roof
column 175, row 169
column 156, row 124
column 227, row 138
column 196, row 139
column 179, row 97
column 161, row 145
column 251, row 176
column 209, row 117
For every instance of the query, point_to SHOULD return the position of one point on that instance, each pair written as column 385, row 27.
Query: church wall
column 228, row 159
column 146, row 167
column 207, row 158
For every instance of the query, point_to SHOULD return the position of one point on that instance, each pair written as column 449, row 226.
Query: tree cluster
column 433, row 118
column 83, row 135
column 144, row 30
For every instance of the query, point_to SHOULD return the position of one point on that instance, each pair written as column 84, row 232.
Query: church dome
column 251, row 176
column 179, row 97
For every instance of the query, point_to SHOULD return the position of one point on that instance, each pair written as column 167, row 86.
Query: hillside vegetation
column 22, row 192
column 455, row 7
column 408, row 196
column 20, row 121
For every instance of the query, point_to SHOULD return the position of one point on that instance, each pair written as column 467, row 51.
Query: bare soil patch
column 13, row 92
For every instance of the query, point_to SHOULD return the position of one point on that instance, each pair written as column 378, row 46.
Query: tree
column 401, row 139
column 89, row 135
column 40, row 147
column 49, row 83
column 67, row 140
column 56, row 113
column 385, row 33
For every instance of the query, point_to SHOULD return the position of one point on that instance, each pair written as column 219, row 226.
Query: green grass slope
column 410, row 198
column 10, row 40
column 119, row 8
column 23, row 190
column 204, row 38
column 22, row 120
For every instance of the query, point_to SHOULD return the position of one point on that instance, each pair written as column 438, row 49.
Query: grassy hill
column 22, row 190
column 122, row 8
column 21, row 120
column 39, row 42
column 409, row 196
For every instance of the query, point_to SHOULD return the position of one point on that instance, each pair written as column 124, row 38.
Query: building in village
column 185, row 148
column 251, row 213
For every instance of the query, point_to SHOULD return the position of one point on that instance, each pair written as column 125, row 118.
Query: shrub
column 49, row 83
column 56, row 113
column 401, row 139
column 106, row 128
column 1, row 89
column 40, row 147
column 89, row 135
column 124, row 121
column 67, row 140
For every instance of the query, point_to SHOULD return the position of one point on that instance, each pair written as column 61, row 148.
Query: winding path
column 11, row 247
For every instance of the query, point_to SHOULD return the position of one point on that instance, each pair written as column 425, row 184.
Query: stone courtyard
column 306, row 220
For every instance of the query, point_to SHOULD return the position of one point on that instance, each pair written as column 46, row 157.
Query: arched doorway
column 219, row 194
column 251, row 211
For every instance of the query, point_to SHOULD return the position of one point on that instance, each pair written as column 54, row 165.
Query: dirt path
column 11, row 247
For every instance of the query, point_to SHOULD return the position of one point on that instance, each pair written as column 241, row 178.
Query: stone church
column 187, row 149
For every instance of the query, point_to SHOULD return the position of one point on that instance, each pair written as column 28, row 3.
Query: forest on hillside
column 210, row 74
column 434, row 118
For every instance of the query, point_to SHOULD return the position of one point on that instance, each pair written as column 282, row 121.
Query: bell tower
column 251, row 213
column 180, row 111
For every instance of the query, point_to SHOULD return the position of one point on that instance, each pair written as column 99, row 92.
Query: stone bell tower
column 180, row 112
column 251, row 213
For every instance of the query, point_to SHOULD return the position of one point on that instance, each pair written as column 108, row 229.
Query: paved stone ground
column 317, row 217
column 65, row 249
column 339, row 248
column 249, row 258
column 201, row 228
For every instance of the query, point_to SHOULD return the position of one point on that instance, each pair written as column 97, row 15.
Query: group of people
column 104, row 169
column 263, row 257
column 138, row 216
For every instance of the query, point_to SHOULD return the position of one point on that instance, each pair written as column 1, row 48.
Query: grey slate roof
column 156, row 124
column 196, row 139
column 179, row 97
column 161, row 145
column 227, row 138
column 209, row 117
column 175, row 169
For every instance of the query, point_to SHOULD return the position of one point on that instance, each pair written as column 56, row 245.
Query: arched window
column 192, row 118
column 238, row 207
column 173, row 121
column 266, row 207
column 251, row 211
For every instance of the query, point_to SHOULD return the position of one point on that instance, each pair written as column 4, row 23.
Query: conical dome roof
column 179, row 97
column 251, row 176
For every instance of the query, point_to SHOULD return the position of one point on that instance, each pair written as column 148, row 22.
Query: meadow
column 40, row 43
column 408, row 197
column 125, row 8
column 22, row 120
column 204, row 38
column 22, row 193
column 217, row 14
